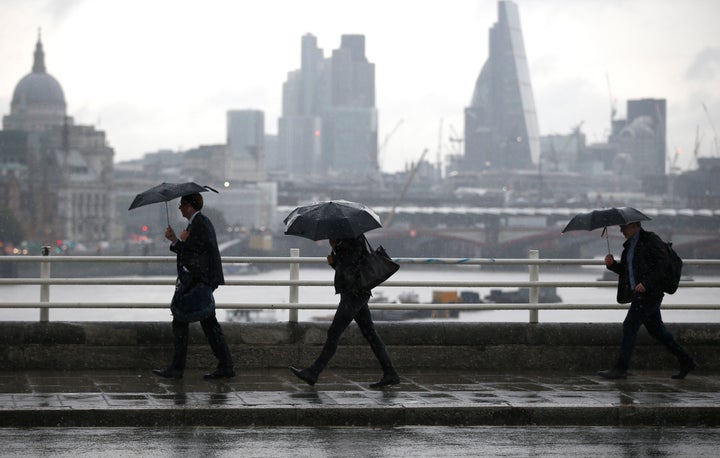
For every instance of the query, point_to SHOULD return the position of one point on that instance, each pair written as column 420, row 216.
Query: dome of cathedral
column 38, row 88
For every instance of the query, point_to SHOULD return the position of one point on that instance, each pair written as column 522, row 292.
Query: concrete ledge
column 452, row 345
column 319, row 416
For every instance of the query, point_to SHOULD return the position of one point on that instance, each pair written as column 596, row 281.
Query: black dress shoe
column 168, row 372
column 219, row 373
column 613, row 373
column 386, row 380
column 685, row 369
column 306, row 375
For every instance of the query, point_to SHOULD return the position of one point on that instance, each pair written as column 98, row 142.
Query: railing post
column 45, row 289
column 294, row 289
column 534, row 290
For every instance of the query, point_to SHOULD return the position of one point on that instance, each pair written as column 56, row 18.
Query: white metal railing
column 293, row 283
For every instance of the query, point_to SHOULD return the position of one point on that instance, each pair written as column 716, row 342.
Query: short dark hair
column 195, row 201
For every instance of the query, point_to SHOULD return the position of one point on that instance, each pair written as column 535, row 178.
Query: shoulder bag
column 374, row 267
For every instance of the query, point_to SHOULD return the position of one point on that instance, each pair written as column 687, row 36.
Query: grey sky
column 162, row 73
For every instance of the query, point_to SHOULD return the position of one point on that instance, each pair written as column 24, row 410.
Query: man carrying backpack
column 641, row 268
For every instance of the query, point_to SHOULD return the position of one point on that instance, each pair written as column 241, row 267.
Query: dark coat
column 648, row 261
column 199, row 271
column 347, row 255
column 199, row 253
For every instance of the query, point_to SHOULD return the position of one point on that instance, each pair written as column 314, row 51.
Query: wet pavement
column 342, row 397
column 361, row 442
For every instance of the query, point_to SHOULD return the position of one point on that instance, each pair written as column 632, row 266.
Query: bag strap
column 367, row 244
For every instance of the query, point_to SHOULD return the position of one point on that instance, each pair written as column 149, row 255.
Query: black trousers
column 213, row 333
column 647, row 312
column 353, row 307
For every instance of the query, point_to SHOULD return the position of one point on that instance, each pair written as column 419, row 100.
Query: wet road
column 429, row 441
column 270, row 413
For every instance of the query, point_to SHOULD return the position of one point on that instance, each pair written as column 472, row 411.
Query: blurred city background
column 493, row 186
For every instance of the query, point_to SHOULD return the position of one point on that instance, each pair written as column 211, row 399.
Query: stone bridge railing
column 484, row 347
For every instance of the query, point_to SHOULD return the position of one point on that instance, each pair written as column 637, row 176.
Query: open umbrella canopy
column 604, row 218
column 334, row 219
column 165, row 192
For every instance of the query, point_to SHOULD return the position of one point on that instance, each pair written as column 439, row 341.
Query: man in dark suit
column 344, row 258
column 199, row 273
column 640, row 268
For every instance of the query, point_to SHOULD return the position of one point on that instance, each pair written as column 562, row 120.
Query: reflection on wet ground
column 351, row 442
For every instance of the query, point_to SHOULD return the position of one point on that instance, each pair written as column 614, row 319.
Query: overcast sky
column 158, row 74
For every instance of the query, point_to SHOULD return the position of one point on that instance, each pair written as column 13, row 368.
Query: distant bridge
column 508, row 231
column 511, row 231
column 464, row 215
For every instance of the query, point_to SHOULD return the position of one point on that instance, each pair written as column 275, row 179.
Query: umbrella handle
column 167, row 213
column 607, row 237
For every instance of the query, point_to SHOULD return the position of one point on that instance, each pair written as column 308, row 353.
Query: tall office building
column 636, row 147
column 501, row 126
column 246, row 145
column 329, row 120
column 350, row 120
column 651, row 113
column 299, row 127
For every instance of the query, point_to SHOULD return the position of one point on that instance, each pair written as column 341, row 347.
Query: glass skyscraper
column 501, row 127
column 329, row 119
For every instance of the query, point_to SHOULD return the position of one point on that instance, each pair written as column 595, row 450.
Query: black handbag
column 192, row 302
column 374, row 267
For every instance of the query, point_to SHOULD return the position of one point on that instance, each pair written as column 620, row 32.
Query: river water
column 265, row 294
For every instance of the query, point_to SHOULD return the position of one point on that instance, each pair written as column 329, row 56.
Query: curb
column 396, row 415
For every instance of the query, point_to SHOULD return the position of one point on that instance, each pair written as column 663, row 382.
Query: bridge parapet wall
column 506, row 347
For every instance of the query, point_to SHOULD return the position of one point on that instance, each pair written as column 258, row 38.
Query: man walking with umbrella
column 343, row 224
column 199, row 273
column 640, row 267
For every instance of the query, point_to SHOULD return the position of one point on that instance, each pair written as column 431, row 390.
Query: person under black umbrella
column 343, row 223
column 200, row 272
column 640, row 269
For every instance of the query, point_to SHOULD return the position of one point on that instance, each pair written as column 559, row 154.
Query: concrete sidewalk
column 274, row 397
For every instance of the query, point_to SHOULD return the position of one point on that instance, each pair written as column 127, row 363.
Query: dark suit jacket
column 199, row 253
column 648, row 261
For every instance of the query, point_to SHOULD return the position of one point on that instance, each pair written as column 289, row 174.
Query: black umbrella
column 334, row 219
column 166, row 192
column 604, row 218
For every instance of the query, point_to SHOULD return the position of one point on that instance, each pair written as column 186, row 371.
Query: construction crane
column 613, row 101
column 381, row 150
column 389, row 217
column 712, row 126
column 456, row 139
column 696, row 148
column 439, row 147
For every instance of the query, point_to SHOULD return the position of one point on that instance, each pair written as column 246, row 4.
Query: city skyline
column 162, row 75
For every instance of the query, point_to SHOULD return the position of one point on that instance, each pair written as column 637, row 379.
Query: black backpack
column 673, row 270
